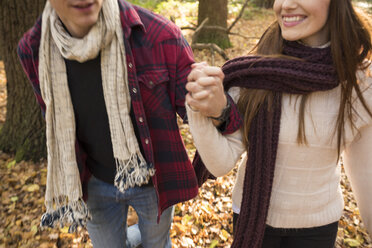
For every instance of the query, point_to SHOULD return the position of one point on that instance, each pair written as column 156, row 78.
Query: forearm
column 358, row 166
column 218, row 152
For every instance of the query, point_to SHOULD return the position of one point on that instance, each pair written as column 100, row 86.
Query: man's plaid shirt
column 158, row 60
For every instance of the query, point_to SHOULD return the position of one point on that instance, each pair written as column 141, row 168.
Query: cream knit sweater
column 306, row 189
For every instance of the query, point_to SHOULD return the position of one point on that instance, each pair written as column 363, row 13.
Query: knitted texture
column 312, row 71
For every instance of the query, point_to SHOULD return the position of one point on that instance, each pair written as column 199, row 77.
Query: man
column 110, row 78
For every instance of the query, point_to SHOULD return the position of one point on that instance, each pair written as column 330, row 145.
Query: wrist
column 224, row 113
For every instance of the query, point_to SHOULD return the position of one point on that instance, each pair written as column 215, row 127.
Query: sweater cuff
column 229, row 126
column 196, row 116
column 235, row 120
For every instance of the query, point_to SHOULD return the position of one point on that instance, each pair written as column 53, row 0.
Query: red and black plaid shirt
column 158, row 59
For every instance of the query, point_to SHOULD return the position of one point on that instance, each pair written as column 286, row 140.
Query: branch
column 189, row 28
column 216, row 27
column 211, row 46
column 197, row 31
column 205, row 27
column 245, row 37
column 222, row 29
column 239, row 16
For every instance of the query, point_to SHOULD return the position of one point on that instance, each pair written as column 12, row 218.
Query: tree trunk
column 216, row 12
column 23, row 132
column 264, row 3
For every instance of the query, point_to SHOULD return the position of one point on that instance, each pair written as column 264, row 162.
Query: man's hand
column 206, row 93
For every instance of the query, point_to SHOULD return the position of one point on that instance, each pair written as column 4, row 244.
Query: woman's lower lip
column 292, row 24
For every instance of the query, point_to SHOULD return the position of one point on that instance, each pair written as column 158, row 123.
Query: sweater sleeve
column 218, row 152
column 358, row 166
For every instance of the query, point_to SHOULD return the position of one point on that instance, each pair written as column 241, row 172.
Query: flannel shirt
column 158, row 60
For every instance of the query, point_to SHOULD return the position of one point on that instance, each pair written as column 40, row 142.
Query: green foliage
column 148, row 4
column 252, row 13
column 182, row 11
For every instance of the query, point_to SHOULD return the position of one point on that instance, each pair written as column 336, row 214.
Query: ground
column 204, row 222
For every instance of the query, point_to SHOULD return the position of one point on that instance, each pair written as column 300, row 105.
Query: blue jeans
column 109, row 209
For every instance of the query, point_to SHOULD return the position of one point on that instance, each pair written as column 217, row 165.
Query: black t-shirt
column 92, row 126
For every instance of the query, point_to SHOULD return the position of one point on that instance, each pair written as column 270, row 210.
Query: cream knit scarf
column 63, row 197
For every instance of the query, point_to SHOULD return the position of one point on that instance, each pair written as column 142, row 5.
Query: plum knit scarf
column 314, row 72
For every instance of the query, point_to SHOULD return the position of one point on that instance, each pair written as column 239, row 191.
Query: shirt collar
column 129, row 17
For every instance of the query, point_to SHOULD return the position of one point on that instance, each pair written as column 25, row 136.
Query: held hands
column 206, row 93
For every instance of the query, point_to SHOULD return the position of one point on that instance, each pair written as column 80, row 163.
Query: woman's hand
column 206, row 92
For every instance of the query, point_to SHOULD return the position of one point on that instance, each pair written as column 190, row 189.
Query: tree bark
column 23, row 132
column 216, row 12
column 264, row 3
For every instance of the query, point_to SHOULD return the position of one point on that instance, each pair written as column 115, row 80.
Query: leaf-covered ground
column 204, row 222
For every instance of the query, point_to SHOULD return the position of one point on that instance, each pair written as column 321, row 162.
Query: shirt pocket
column 155, row 88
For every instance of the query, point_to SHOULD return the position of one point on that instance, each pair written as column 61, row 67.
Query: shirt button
column 130, row 65
column 134, row 90
column 140, row 119
column 151, row 83
column 146, row 141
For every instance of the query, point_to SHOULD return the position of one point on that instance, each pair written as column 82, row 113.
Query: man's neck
column 75, row 32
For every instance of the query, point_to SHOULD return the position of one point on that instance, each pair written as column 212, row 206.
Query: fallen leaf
column 11, row 164
column 224, row 235
column 179, row 228
column 214, row 243
column 64, row 229
column 34, row 229
column 33, row 188
column 352, row 242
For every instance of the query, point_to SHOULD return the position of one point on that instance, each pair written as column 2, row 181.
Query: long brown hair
column 350, row 36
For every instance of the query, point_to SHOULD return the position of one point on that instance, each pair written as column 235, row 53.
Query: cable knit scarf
column 315, row 72
column 63, row 197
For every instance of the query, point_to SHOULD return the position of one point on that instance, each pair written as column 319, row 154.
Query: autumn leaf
column 205, row 221
column 64, row 229
column 224, row 235
column 33, row 187
column 214, row 243
column 11, row 164
column 352, row 242
column 34, row 229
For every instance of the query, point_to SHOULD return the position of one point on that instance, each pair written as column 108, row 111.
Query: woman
column 306, row 98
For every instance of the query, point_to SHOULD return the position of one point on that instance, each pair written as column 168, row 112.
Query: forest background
column 205, row 221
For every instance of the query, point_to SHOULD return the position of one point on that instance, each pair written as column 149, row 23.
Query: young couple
column 110, row 78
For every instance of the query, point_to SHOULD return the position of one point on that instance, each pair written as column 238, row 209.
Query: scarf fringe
column 59, row 211
column 133, row 172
